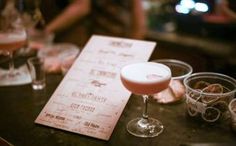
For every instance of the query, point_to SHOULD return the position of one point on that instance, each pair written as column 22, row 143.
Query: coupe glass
column 12, row 37
column 145, row 78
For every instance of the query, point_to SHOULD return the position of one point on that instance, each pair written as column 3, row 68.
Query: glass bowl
column 232, row 110
column 37, row 39
column 59, row 57
column 208, row 95
column 176, row 90
column 179, row 69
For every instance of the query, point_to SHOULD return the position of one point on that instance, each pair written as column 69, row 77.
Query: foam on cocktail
column 12, row 41
column 145, row 72
column 145, row 78
column 6, row 38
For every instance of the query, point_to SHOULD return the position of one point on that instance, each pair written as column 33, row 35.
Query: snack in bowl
column 208, row 95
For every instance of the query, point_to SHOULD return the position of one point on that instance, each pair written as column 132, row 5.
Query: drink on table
column 37, row 71
column 12, row 38
column 10, row 42
column 145, row 79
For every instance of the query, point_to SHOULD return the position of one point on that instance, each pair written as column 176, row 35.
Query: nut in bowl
column 208, row 95
column 175, row 91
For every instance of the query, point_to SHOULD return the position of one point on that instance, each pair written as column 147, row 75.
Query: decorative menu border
column 90, row 98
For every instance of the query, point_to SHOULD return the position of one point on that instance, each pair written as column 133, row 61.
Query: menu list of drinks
column 90, row 98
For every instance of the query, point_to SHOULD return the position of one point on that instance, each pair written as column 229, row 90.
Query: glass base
column 141, row 127
column 20, row 76
column 39, row 85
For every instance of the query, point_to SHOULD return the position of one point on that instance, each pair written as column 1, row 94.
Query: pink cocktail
column 10, row 41
column 145, row 79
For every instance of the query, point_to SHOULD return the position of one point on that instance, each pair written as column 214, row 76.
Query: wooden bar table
column 20, row 106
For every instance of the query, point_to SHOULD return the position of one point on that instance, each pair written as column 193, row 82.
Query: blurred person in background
column 227, row 8
column 224, row 12
column 82, row 18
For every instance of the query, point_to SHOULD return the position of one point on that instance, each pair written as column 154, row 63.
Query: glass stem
column 11, row 64
column 145, row 100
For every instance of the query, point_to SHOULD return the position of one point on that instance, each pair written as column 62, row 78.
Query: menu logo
column 121, row 44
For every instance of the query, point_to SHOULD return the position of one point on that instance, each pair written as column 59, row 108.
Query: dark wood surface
column 20, row 106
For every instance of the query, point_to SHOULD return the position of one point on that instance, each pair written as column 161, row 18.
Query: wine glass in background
column 145, row 79
column 31, row 14
column 12, row 37
column 34, row 23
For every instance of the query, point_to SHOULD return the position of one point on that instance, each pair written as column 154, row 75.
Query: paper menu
column 90, row 98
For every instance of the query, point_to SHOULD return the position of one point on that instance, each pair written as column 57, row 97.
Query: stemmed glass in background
column 145, row 79
column 20, row 24
column 34, row 24
column 12, row 37
column 31, row 13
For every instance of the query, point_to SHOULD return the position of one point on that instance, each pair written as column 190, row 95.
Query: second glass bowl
column 208, row 95
column 176, row 90
column 59, row 57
